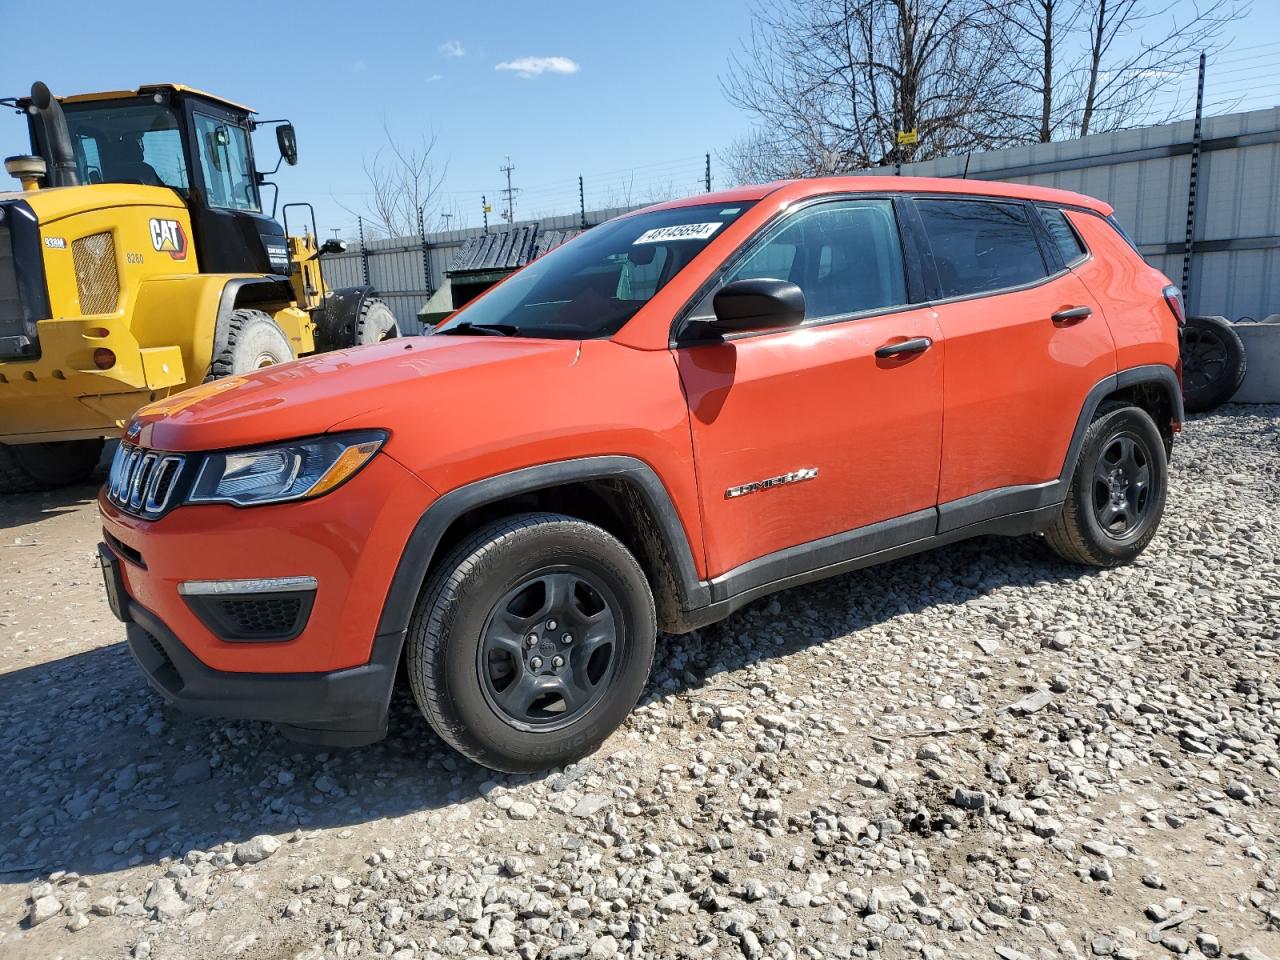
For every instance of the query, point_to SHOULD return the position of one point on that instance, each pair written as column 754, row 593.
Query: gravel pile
column 980, row 752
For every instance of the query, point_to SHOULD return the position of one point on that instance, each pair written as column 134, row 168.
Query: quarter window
column 1063, row 234
column 980, row 246
column 228, row 170
column 845, row 255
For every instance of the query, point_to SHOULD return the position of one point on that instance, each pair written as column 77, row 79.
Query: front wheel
column 1117, row 492
column 531, row 642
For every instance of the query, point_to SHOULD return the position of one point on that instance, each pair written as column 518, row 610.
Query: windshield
column 594, row 284
column 127, row 142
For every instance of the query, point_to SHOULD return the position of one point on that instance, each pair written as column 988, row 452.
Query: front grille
column 97, row 278
column 261, row 616
column 142, row 482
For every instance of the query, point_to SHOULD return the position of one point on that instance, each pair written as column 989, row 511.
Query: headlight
column 286, row 471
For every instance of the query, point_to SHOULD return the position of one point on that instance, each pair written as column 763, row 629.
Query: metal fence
column 405, row 271
column 1233, row 206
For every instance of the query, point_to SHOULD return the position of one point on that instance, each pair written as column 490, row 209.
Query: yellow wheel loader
column 137, row 260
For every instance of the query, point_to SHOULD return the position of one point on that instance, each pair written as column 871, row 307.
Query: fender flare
column 424, row 541
column 338, row 313
column 276, row 289
column 1153, row 374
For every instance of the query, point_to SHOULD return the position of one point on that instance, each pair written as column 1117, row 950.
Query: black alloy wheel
column 1122, row 485
column 550, row 649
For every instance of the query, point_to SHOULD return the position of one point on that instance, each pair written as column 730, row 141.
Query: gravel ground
column 980, row 752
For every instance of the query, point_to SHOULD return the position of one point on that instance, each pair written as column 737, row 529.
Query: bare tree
column 403, row 179
column 1090, row 66
column 831, row 82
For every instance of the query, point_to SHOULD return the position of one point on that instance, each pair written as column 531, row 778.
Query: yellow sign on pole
column 908, row 138
column 488, row 208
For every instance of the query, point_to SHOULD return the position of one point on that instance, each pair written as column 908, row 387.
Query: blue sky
column 626, row 94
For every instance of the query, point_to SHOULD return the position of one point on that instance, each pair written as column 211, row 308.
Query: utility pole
column 582, row 202
column 708, row 173
column 446, row 217
column 510, row 212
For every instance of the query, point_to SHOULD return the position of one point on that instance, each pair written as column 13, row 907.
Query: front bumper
column 338, row 708
column 342, row 708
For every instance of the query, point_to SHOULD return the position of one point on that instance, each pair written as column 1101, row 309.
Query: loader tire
column 375, row 323
column 253, row 341
column 28, row 467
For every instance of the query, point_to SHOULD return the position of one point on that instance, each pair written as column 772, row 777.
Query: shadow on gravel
column 20, row 509
column 99, row 774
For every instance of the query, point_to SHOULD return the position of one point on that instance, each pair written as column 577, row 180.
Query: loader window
column 127, row 143
column 227, row 165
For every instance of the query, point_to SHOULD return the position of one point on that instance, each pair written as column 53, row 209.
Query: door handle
column 904, row 348
column 1073, row 315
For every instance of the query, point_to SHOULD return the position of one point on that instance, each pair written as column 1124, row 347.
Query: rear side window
column 845, row 255
column 980, row 246
column 1065, row 238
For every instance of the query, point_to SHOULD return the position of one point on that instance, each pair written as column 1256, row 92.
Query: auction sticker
column 683, row 231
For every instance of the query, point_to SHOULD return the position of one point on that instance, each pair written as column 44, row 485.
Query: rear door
column 1025, row 342
column 805, row 434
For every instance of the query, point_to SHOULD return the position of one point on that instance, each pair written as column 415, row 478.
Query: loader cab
column 193, row 143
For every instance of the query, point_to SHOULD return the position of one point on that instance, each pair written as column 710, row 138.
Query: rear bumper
column 338, row 708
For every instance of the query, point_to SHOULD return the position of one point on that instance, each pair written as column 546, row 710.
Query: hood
column 388, row 383
column 51, row 204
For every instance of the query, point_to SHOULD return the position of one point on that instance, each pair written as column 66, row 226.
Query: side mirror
column 333, row 245
column 751, row 305
column 287, row 141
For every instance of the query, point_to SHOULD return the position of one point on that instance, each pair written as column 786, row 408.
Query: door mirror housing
column 753, row 305
column 287, row 141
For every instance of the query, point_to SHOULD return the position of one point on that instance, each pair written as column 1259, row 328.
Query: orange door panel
column 812, row 399
column 1016, row 380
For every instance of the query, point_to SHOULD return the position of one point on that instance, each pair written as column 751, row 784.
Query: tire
column 469, row 661
column 375, row 322
column 28, row 467
column 253, row 341
column 1124, row 439
column 1213, row 363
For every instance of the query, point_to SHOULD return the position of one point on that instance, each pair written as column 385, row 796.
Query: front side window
column 845, row 255
column 1064, row 235
column 123, row 142
column 980, row 246
column 595, row 283
column 229, row 180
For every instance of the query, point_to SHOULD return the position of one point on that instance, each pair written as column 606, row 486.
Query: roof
column 147, row 88
column 507, row 249
column 799, row 189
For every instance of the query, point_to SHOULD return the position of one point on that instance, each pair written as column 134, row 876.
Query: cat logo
column 167, row 236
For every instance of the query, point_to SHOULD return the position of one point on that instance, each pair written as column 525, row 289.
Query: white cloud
column 453, row 48
column 434, row 77
column 536, row 66
column 357, row 66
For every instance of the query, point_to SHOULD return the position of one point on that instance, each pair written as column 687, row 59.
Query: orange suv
column 681, row 410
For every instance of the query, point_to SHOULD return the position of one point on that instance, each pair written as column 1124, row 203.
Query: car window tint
column 1064, row 235
column 980, row 246
column 844, row 255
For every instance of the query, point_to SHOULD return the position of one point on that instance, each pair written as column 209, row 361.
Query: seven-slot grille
column 143, row 481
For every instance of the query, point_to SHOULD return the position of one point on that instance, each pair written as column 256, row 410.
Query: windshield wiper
column 487, row 329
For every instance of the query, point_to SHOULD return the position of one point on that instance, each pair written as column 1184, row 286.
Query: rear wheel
column 531, row 642
column 375, row 323
column 45, row 466
column 1117, row 493
column 253, row 341
column 1213, row 363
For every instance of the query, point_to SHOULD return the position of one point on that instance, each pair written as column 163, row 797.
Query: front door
column 808, row 433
